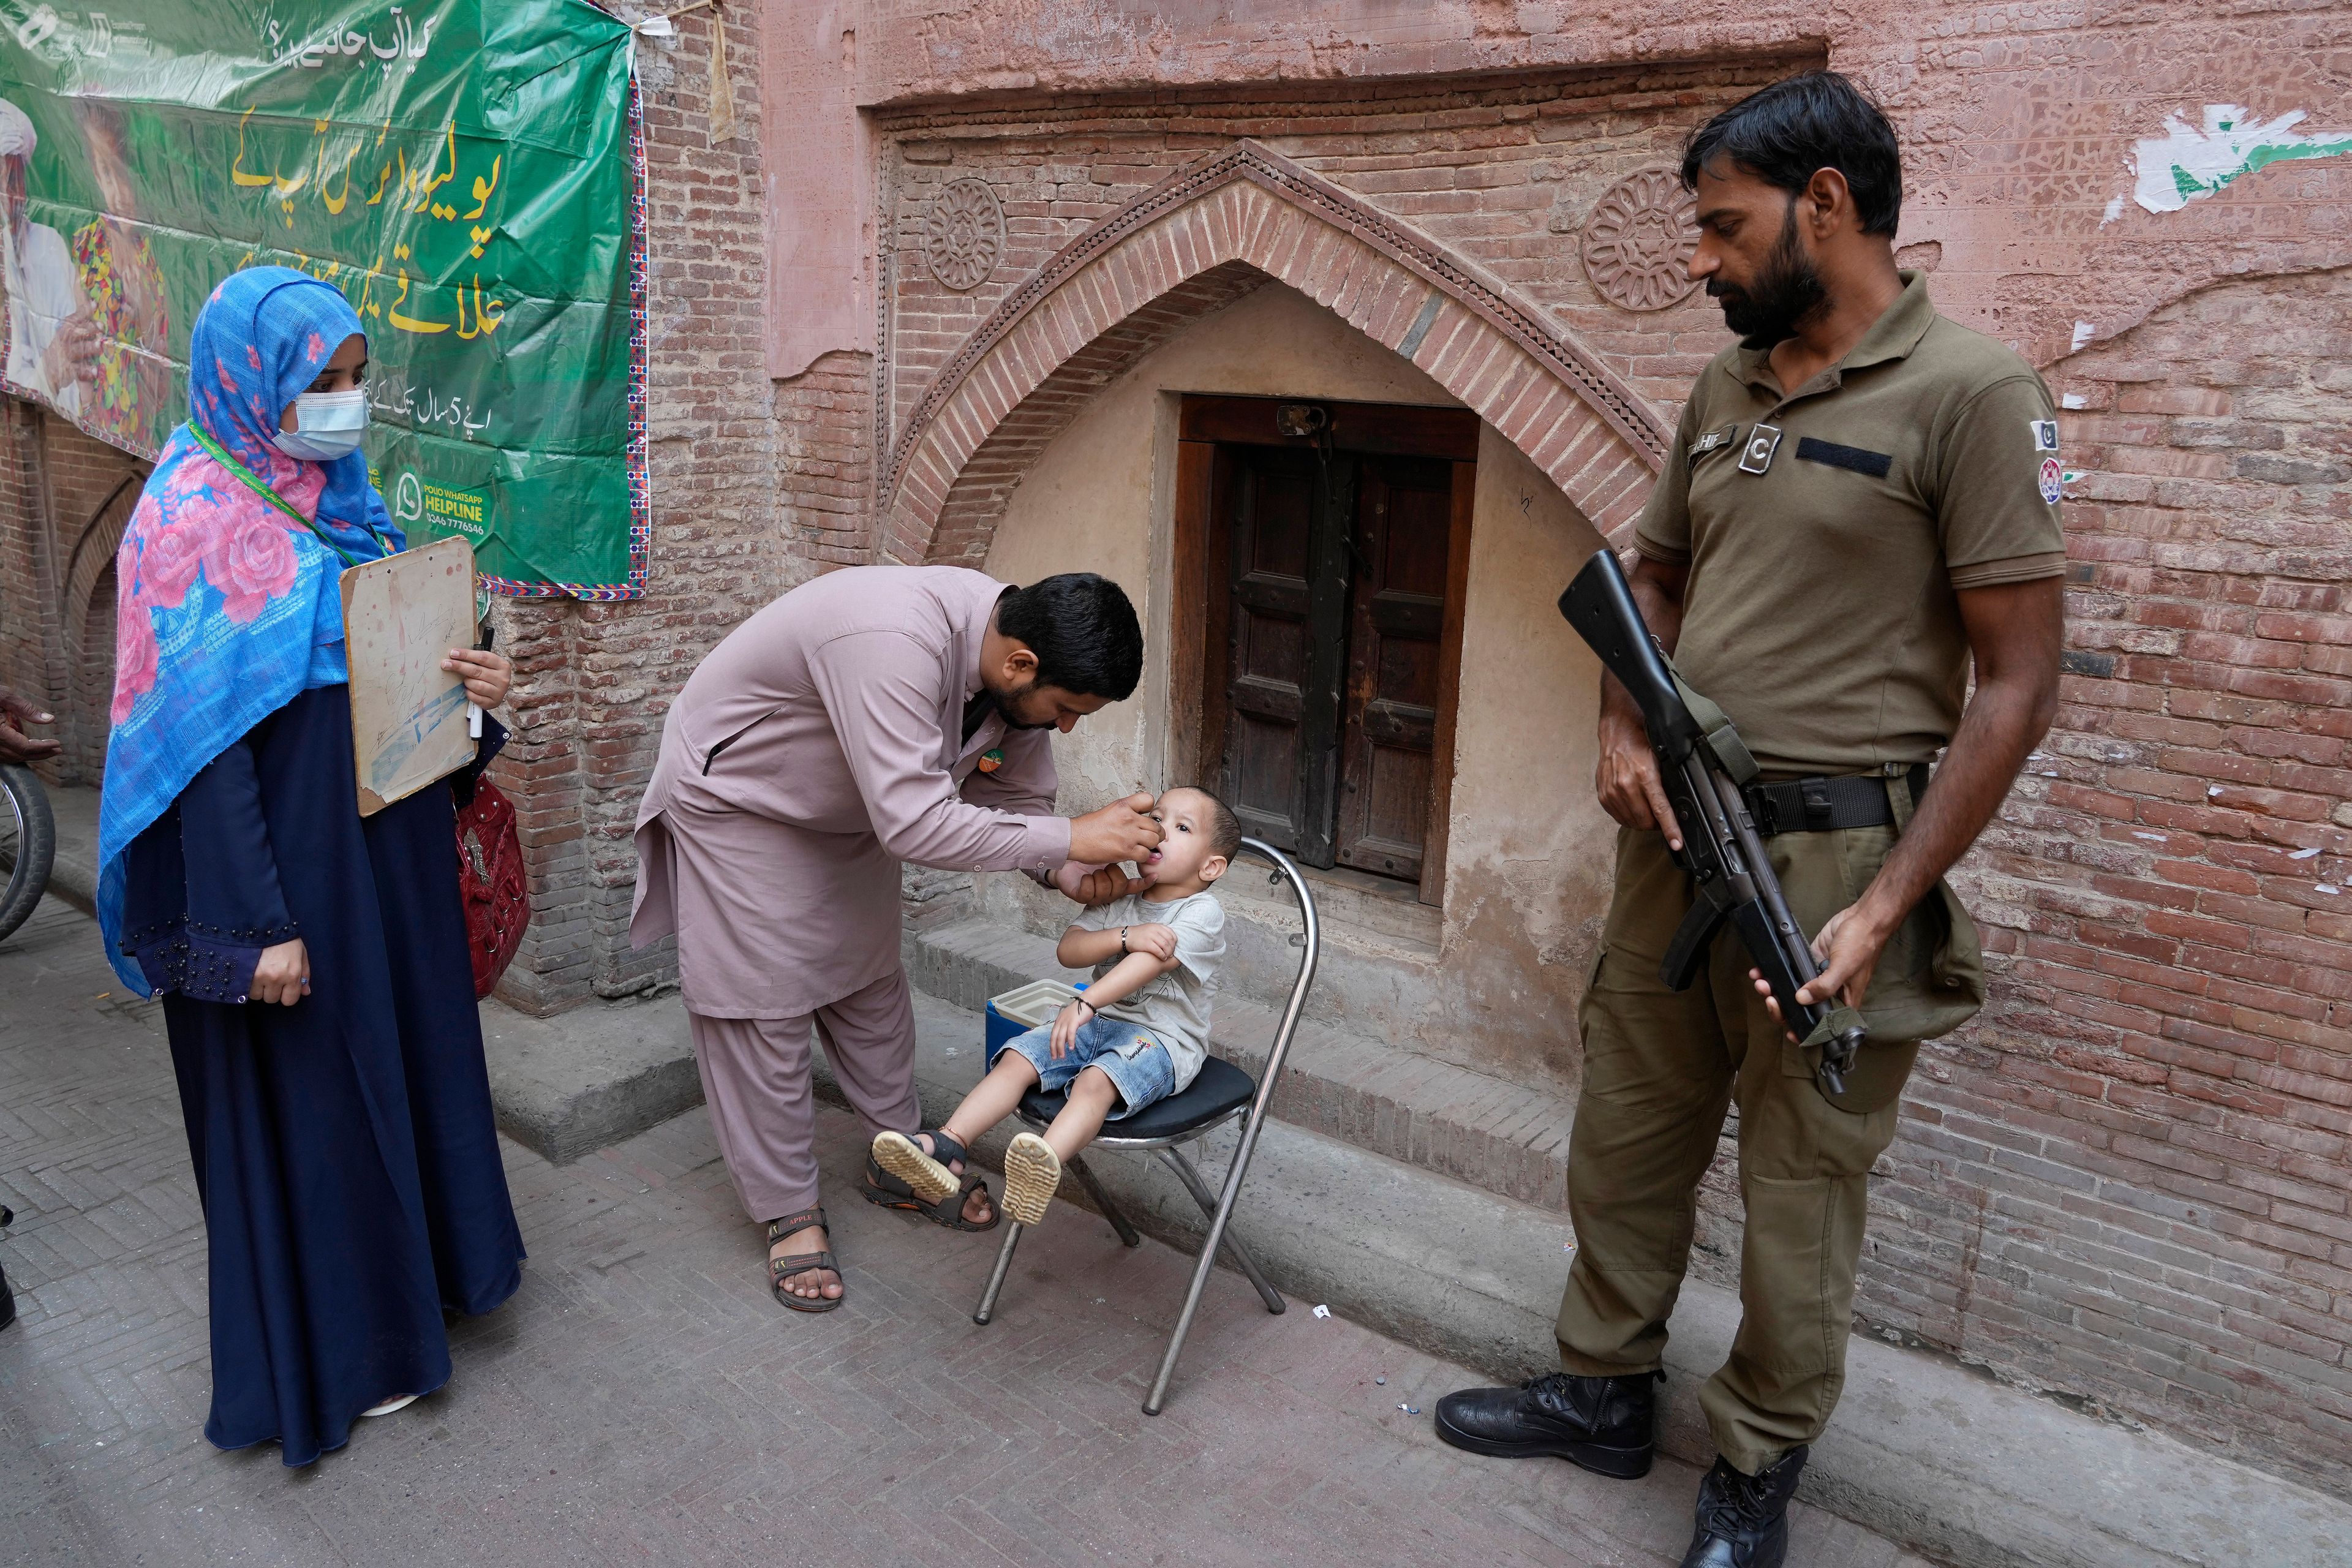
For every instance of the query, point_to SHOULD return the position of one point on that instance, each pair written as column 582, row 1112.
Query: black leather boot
column 1604, row 1424
column 1743, row 1521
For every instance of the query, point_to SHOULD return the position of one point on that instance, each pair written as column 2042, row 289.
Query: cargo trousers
column 1660, row 1069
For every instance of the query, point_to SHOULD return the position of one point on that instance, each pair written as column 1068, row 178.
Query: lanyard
column 253, row 482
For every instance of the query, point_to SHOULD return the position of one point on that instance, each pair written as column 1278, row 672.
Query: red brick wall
column 825, row 460
column 2129, row 1179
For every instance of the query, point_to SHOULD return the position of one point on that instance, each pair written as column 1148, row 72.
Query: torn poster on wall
column 2189, row 161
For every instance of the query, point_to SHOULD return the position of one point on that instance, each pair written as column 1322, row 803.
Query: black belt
column 1826, row 805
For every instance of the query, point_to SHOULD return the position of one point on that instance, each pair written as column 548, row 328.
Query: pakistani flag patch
column 2045, row 450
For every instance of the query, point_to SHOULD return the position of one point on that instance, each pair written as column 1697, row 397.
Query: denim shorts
column 1147, row 1076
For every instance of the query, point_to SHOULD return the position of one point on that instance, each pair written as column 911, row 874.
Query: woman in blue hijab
column 317, row 983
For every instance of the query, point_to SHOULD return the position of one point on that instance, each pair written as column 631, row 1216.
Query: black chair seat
column 1219, row 1088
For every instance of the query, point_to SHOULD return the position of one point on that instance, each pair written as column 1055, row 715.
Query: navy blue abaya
column 344, row 1147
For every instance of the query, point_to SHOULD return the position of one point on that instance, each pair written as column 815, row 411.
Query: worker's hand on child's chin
column 1093, row 885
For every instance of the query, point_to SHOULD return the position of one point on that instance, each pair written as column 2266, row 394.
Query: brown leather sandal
column 782, row 1268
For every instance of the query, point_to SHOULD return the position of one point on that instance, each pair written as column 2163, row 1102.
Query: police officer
column 1861, row 501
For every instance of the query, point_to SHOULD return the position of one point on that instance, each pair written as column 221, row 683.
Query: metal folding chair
column 1219, row 1093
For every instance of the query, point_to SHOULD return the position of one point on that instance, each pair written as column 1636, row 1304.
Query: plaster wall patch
column 2190, row 162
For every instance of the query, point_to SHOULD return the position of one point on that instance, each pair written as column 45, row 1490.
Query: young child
column 1138, row 1034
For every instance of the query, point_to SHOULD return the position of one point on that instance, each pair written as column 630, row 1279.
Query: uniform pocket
column 1931, row 978
column 1930, row 975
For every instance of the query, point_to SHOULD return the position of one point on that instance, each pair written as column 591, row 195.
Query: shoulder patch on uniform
column 2046, row 434
column 1861, row 459
column 2054, row 480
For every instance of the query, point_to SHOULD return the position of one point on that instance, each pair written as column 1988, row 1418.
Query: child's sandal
column 793, row 1264
column 926, row 1175
column 884, row 1186
column 1031, row 1173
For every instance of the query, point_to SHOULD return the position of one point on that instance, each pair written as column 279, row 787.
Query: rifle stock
column 1598, row 604
column 1731, row 874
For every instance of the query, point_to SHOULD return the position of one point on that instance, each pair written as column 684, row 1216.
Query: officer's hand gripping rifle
column 1731, row 876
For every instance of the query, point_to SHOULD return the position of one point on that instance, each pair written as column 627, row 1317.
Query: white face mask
column 327, row 425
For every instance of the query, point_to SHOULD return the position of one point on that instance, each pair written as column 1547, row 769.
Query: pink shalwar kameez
column 815, row 748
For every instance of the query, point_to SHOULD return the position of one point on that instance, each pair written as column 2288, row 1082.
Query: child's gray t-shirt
column 1174, row 1008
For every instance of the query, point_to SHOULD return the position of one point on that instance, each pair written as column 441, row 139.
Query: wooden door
column 1397, row 622
column 1286, row 645
column 1321, row 566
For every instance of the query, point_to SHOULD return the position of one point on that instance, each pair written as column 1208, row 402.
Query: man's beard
column 1787, row 290
column 1002, row 702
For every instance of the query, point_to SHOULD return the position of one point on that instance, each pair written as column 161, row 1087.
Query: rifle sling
column 1720, row 736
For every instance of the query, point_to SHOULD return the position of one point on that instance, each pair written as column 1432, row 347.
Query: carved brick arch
column 1200, row 239
column 95, row 543
column 87, row 612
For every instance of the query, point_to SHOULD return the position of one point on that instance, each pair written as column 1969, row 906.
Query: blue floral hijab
column 226, row 607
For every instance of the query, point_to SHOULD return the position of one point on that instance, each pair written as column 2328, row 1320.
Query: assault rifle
column 1703, row 763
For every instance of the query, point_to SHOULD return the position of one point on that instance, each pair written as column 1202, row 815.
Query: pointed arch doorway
column 1193, row 245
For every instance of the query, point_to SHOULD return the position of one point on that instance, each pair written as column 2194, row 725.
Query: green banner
column 469, row 173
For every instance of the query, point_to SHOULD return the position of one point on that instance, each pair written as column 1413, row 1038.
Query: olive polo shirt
column 1827, row 533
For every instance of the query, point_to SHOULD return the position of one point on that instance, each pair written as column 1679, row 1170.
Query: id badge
column 1763, row 440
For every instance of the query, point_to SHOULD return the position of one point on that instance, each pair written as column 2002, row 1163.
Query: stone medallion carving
column 964, row 235
column 1639, row 240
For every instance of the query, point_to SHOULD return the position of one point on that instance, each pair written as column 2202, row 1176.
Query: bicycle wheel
column 28, row 841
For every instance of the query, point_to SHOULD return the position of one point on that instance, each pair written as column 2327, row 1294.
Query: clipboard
column 402, row 615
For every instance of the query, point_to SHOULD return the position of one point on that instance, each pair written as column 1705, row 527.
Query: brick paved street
column 642, row 1400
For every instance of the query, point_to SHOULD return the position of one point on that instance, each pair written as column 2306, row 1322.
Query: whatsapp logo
column 408, row 499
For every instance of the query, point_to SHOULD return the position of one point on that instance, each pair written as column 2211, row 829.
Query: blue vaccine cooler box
column 1023, row 1008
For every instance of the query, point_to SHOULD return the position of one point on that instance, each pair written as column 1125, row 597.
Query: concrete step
column 583, row 1080
column 1384, row 1099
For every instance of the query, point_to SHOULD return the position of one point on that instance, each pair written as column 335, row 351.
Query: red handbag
column 491, row 880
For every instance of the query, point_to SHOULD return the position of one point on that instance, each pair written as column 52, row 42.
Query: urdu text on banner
column 469, row 173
